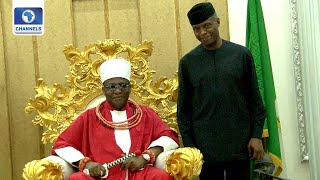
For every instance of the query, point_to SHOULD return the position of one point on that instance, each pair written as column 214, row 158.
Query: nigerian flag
column 256, row 41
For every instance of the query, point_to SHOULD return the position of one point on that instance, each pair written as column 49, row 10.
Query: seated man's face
column 117, row 91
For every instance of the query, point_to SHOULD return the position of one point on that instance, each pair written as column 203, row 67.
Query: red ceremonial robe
column 97, row 141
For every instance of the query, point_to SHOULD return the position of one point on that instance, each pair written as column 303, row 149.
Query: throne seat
column 56, row 106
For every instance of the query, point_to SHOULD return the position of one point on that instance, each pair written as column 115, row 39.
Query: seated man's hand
column 95, row 169
column 134, row 164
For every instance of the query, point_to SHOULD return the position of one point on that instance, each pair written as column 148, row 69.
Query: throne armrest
column 182, row 163
column 66, row 168
column 50, row 168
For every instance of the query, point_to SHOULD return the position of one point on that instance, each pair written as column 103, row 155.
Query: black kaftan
column 219, row 103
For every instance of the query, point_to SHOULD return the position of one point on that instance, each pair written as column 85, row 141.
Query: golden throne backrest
column 56, row 106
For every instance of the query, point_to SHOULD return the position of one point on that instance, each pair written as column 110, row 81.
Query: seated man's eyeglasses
column 113, row 87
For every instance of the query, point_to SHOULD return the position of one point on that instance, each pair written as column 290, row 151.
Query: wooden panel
column 188, row 40
column 5, row 158
column 124, row 20
column 20, row 77
column 89, row 22
column 158, row 23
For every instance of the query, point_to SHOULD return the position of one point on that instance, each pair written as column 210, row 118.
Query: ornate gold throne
column 57, row 106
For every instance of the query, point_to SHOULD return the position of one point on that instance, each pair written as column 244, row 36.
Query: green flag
column 256, row 41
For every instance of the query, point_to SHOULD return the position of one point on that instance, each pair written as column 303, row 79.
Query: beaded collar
column 127, row 124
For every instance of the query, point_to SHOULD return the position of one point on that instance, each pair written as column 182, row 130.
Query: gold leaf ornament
column 184, row 163
column 42, row 169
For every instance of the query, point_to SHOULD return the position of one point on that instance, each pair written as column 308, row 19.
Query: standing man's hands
column 255, row 149
column 95, row 169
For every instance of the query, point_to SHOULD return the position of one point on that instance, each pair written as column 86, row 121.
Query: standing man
column 220, row 110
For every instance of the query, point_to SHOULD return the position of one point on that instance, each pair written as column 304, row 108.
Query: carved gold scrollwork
column 42, row 169
column 184, row 163
column 57, row 106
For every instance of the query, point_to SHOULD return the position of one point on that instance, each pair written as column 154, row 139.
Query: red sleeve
column 74, row 135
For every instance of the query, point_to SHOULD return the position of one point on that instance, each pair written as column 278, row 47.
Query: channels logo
column 28, row 20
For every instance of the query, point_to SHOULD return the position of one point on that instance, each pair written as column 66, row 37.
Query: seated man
column 116, row 127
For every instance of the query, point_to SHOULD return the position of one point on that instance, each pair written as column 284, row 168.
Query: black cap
column 200, row 12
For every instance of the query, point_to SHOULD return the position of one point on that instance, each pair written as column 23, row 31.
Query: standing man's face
column 207, row 32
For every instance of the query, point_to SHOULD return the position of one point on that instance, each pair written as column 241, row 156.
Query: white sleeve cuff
column 166, row 142
column 69, row 154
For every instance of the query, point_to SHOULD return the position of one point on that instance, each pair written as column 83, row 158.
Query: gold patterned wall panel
column 24, row 59
column 222, row 9
column 124, row 20
column 89, row 21
column 158, row 23
column 58, row 32
column 5, row 160
column 20, row 78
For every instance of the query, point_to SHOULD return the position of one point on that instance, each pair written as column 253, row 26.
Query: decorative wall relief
column 299, row 83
